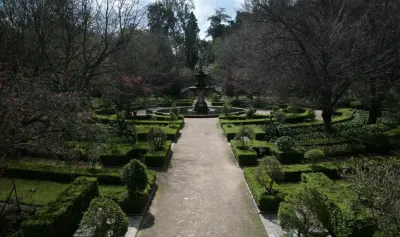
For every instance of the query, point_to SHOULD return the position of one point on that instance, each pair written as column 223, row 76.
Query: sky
column 206, row 8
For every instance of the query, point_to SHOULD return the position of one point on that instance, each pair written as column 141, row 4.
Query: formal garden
column 125, row 118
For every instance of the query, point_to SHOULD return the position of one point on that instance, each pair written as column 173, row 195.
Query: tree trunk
column 327, row 112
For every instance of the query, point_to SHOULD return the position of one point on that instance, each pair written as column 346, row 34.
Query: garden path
column 203, row 193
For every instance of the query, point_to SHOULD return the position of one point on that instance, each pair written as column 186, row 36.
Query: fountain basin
column 212, row 112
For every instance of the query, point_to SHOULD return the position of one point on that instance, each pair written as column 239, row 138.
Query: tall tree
column 191, row 41
column 218, row 23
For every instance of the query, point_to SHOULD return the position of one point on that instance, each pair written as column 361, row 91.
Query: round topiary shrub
column 104, row 218
column 284, row 143
column 135, row 177
column 314, row 155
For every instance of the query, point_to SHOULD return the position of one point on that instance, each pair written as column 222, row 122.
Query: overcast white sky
column 206, row 8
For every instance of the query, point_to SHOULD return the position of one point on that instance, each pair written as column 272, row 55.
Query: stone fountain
column 200, row 90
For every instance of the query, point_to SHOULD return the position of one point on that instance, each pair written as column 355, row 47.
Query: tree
column 191, row 30
column 377, row 187
column 244, row 135
column 269, row 171
column 218, row 23
column 160, row 18
column 104, row 218
column 34, row 117
column 313, row 52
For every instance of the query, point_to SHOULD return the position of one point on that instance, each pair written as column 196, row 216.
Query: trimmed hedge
column 293, row 172
column 120, row 154
column 244, row 157
column 58, row 173
column 265, row 202
column 158, row 158
column 142, row 131
column 288, row 157
column 128, row 204
column 230, row 132
column 62, row 217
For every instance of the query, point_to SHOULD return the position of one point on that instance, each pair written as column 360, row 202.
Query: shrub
column 284, row 143
column 61, row 217
column 135, row 177
column 244, row 134
column 156, row 138
column 270, row 132
column 124, row 130
column 172, row 119
column 280, row 117
column 174, row 109
column 314, row 155
column 269, row 171
column 250, row 113
column 226, row 108
column 104, row 218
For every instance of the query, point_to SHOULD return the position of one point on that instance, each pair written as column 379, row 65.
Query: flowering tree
column 35, row 116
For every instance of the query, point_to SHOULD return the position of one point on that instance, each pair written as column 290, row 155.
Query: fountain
column 200, row 90
column 200, row 109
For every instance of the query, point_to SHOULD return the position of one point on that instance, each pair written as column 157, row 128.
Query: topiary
column 314, row 155
column 135, row 177
column 226, row 108
column 172, row 119
column 104, row 218
column 156, row 138
column 244, row 135
column 284, row 143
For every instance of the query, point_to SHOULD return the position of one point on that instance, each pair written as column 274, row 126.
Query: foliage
column 244, row 135
column 156, row 138
column 280, row 117
column 104, row 218
column 125, row 131
column 217, row 27
column 174, row 109
column 172, row 119
column 250, row 113
column 284, row 143
column 300, row 212
column 226, row 108
column 269, row 171
column 135, row 177
column 62, row 217
column 314, row 155
column 376, row 186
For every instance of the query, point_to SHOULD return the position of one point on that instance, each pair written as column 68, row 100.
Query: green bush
column 250, row 113
column 174, row 109
column 314, row 155
column 289, row 157
column 244, row 135
column 62, row 217
column 156, row 138
column 293, row 172
column 104, row 218
column 135, row 177
column 284, row 143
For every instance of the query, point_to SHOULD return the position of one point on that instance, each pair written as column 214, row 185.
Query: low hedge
column 158, row 158
column 230, row 132
column 288, row 157
column 293, row 172
column 244, row 157
column 265, row 202
column 172, row 133
column 40, row 170
column 128, row 204
column 62, row 217
column 120, row 154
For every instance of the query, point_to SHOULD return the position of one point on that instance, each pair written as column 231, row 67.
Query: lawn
column 44, row 191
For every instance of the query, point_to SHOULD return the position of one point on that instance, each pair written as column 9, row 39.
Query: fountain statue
column 200, row 90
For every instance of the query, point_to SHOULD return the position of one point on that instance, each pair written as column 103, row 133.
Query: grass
column 45, row 191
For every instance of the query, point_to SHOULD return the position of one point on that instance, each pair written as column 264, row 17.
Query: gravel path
column 203, row 193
